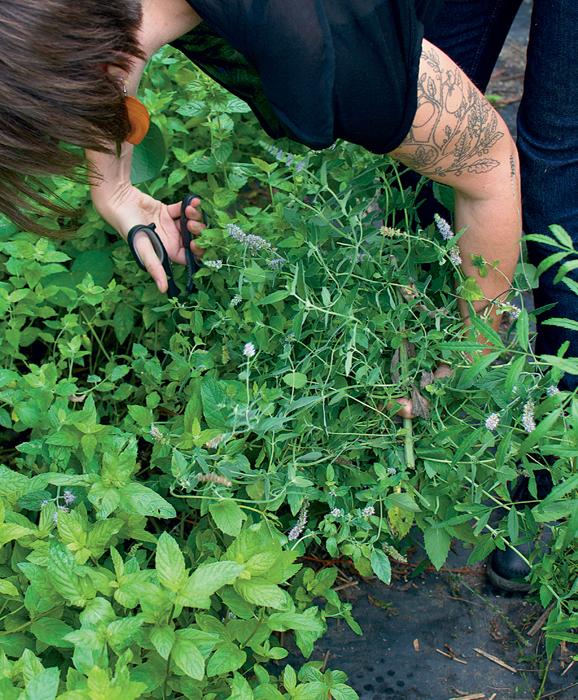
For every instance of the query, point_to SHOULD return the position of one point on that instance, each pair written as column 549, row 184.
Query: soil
column 442, row 636
column 423, row 636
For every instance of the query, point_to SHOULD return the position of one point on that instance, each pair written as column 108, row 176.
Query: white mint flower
column 492, row 421
column 215, row 442
column 552, row 390
column 336, row 512
column 390, row 232
column 510, row 309
column 368, row 511
column 249, row 350
column 215, row 264
column 237, row 299
column 155, row 433
column 528, row 421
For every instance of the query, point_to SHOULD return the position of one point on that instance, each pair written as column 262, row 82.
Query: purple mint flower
column 454, row 255
column 299, row 526
column 253, row 242
column 443, row 227
column 276, row 264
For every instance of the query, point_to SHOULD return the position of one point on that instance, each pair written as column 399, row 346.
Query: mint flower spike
column 454, row 255
column 508, row 308
column 528, row 422
column 492, row 421
column 299, row 526
column 443, row 227
column 253, row 242
column 249, row 350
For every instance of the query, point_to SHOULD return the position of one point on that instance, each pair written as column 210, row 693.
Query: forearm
column 493, row 229
column 109, row 178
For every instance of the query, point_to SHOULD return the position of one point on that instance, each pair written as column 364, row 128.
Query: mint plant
column 166, row 464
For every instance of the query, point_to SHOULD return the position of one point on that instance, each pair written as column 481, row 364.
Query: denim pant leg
column 548, row 145
column 472, row 33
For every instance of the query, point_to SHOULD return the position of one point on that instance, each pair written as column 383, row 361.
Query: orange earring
column 139, row 120
column 138, row 117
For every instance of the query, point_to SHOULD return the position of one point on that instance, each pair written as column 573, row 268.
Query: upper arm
column 457, row 137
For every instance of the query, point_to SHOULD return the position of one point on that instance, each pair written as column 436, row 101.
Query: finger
column 152, row 263
column 405, row 410
column 195, row 219
column 197, row 251
column 442, row 371
column 174, row 210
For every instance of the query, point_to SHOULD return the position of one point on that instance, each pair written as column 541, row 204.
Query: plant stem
column 544, row 679
column 255, row 630
column 409, row 453
column 96, row 336
column 26, row 624
column 167, row 676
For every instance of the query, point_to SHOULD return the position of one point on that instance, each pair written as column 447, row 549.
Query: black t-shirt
column 317, row 70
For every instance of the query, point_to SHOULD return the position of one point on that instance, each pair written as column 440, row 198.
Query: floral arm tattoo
column 457, row 126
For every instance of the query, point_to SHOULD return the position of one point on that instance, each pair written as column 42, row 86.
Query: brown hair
column 55, row 90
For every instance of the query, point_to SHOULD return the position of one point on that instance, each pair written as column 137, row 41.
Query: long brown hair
column 55, row 90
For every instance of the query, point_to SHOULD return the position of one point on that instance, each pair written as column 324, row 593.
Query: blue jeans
column 472, row 32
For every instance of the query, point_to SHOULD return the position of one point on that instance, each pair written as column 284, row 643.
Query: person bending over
column 311, row 70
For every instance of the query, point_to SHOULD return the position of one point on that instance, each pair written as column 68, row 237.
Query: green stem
column 407, row 424
column 403, row 355
column 544, row 679
column 97, row 337
column 167, row 676
column 255, row 630
column 30, row 622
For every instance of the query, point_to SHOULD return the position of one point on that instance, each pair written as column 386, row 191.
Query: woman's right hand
column 126, row 207
column 406, row 405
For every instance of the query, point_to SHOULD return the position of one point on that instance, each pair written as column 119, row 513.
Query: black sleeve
column 317, row 70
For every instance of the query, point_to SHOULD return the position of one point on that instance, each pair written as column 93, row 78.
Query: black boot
column 505, row 568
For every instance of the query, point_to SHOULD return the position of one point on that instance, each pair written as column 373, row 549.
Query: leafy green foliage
column 161, row 479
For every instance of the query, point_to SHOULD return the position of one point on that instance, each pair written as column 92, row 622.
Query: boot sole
column 507, row 584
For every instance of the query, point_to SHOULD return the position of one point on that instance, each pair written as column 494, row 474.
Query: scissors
column 137, row 232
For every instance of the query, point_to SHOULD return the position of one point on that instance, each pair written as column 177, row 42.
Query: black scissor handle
column 160, row 252
column 192, row 263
